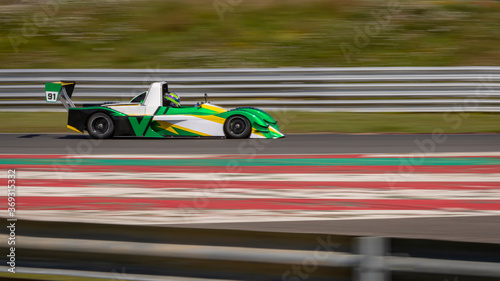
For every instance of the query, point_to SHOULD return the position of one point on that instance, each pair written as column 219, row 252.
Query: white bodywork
column 196, row 124
column 151, row 103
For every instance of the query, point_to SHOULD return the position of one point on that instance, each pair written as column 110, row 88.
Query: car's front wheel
column 100, row 126
column 237, row 127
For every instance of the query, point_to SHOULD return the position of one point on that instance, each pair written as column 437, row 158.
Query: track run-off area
column 215, row 188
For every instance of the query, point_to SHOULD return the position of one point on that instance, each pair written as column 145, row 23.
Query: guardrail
column 152, row 253
column 359, row 89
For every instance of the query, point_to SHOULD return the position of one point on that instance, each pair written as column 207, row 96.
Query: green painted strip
column 113, row 112
column 140, row 127
column 161, row 111
column 455, row 161
column 152, row 134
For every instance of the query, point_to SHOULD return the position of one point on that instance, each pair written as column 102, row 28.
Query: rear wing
column 60, row 90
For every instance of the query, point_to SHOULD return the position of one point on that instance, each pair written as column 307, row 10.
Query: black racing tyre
column 100, row 126
column 237, row 127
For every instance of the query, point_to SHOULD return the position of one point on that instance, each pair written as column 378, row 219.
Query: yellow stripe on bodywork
column 63, row 83
column 212, row 118
column 74, row 129
column 167, row 126
column 257, row 133
column 274, row 130
column 214, row 108
column 171, row 128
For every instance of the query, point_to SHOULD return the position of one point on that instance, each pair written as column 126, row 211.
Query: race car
column 150, row 114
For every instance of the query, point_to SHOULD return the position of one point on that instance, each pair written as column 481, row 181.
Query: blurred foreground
column 254, row 217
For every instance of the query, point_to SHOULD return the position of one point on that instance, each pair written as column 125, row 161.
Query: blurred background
column 306, row 207
column 243, row 33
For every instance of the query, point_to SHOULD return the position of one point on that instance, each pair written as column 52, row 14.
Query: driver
column 171, row 99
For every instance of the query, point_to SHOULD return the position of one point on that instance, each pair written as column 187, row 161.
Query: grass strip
column 303, row 122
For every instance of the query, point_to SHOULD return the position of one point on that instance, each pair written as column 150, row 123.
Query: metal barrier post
column 372, row 266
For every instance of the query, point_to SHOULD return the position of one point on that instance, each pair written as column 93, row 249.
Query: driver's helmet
column 172, row 99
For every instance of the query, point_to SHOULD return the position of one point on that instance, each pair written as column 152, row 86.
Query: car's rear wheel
column 100, row 126
column 237, row 127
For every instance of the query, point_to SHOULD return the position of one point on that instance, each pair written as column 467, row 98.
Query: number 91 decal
column 51, row 96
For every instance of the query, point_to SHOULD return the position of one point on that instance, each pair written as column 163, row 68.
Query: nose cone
column 275, row 132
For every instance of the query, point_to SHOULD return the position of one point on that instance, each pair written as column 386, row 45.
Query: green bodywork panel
column 261, row 120
column 53, row 87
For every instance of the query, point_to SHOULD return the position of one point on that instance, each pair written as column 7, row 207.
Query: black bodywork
column 77, row 118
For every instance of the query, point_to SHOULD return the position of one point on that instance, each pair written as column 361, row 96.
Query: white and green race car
column 147, row 115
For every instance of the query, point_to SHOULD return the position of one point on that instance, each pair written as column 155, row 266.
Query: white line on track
column 221, row 178
column 434, row 154
column 246, row 193
column 371, row 155
column 139, row 156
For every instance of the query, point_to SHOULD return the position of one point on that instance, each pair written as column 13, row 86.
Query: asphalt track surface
column 478, row 229
column 292, row 144
column 472, row 228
